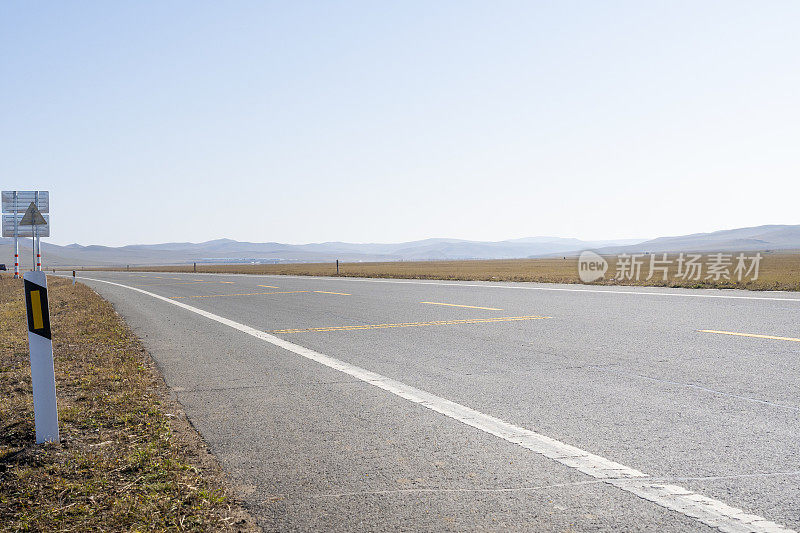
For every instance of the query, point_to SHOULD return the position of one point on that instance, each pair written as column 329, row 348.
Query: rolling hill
column 763, row 238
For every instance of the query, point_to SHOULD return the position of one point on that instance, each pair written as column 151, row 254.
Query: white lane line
column 565, row 289
column 462, row 305
column 524, row 288
column 706, row 510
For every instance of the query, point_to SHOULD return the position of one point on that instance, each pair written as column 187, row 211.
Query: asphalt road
column 541, row 407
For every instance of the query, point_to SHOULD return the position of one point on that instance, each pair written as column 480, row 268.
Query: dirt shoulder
column 128, row 458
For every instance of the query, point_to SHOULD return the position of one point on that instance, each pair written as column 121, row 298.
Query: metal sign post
column 36, row 237
column 16, row 240
column 45, row 411
column 16, row 257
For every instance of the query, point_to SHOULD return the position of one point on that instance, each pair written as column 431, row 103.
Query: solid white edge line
column 707, row 510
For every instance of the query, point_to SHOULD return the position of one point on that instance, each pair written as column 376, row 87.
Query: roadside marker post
column 73, row 278
column 43, row 378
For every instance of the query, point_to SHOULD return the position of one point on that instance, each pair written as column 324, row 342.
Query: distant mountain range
column 758, row 238
column 230, row 251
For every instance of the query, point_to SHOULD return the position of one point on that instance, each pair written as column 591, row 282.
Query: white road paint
column 707, row 510
column 564, row 289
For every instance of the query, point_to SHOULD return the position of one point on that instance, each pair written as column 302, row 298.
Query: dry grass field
column 777, row 271
column 128, row 459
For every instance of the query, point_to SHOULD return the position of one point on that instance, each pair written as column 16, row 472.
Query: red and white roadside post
column 16, row 239
column 36, row 242
column 38, row 250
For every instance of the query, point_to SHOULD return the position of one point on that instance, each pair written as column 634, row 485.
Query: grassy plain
column 777, row 271
column 128, row 459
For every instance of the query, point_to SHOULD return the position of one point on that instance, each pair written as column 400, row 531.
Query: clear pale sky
column 390, row 121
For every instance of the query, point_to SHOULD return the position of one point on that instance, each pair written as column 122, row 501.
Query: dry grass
column 128, row 459
column 777, row 271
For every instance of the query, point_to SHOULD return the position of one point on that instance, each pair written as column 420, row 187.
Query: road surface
column 361, row 404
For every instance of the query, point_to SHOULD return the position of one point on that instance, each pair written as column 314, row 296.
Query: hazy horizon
column 349, row 242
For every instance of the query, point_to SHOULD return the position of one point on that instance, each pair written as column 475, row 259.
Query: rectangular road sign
column 24, row 199
column 45, row 411
column 24, row 231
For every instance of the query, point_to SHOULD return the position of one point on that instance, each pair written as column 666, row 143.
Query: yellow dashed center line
column 339, row 293
column 269, row 286
column 792, row 339
column 414, row 324
column 226, row 282
column 240, row 294
column 468, row 306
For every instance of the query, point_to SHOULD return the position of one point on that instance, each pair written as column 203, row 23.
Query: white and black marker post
column 45, row 412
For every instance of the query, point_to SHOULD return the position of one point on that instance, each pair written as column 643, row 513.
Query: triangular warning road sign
column 32, row 217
